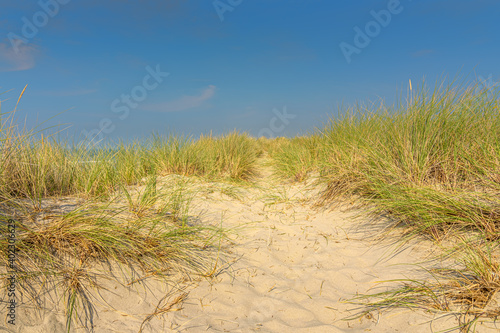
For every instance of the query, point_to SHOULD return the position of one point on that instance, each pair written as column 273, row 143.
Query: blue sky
column 125, row 69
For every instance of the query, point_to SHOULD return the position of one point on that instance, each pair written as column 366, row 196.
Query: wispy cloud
column 23, row 59
column 184, row 102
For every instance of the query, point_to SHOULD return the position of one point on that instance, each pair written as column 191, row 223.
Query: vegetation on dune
column 230, row 156
column 42, row 167
column 140, row 234
column 432, row 164
column 149, row 235
column 295, row 158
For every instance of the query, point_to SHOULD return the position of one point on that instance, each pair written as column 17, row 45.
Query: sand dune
column 290, row 269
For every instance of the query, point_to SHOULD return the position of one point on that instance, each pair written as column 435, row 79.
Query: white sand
column 290, row 271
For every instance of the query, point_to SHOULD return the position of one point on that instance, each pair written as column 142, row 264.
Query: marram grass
column 432, row 164
column 143, row 233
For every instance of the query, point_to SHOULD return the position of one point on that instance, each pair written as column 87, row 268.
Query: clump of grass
column 43, row 167
column 40, row 167
column 37, row 166
column 431, row 164
column 295, row 158
column 467, row 291
column 229, row 157
column 141, row 233
column 445, row 140
column 145, row 201
column 269, row 145
column 433, row 167
column 75, row 251
column 436, row 212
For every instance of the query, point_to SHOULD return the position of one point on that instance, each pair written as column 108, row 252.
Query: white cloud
column 184, row 102
column 23, row 59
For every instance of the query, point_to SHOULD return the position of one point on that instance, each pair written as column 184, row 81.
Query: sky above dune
column 121, row 69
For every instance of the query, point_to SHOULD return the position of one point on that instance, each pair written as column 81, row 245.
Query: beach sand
column 290, row 268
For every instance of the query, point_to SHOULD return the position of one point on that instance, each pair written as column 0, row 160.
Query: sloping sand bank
column 294, row 267
column 290, row 269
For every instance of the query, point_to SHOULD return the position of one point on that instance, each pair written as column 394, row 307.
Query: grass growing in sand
column 80, row 223
column 42, row 167
column 432, row 164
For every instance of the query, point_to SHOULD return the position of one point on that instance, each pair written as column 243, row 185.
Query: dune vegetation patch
column 431, row 163
column 87, row 214
column 82, row 215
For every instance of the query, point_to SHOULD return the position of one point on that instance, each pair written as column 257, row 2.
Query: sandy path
column 290, row 270
column 295, row 266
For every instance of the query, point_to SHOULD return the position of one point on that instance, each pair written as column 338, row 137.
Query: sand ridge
column 290, row 268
